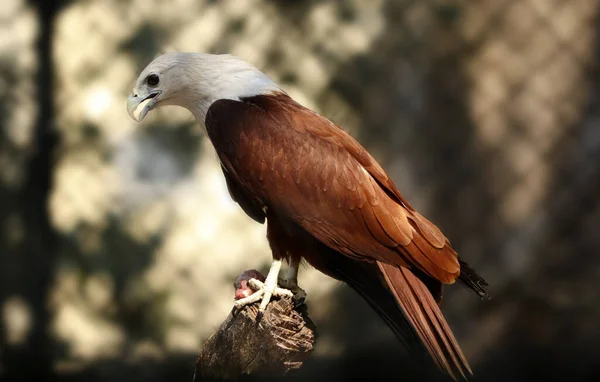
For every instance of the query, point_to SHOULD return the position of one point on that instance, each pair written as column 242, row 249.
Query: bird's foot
column 261, row 290
column 292, row 285
column 264, row 291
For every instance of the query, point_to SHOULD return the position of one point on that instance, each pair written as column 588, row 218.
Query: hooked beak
column 138, row 106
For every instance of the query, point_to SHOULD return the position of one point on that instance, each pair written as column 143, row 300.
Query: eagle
column 325, row 200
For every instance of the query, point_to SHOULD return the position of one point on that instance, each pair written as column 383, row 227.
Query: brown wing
column 305, row 168
column 251, row 206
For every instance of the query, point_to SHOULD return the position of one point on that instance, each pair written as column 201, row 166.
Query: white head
column 195, row 81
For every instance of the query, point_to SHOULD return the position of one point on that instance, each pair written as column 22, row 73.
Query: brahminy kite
column 325, row 199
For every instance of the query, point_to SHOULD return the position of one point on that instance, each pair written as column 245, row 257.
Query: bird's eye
column 152, row 80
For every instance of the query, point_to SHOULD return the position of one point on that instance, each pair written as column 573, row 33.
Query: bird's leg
column 291, row 281
column 270, row 285
column 264, row 290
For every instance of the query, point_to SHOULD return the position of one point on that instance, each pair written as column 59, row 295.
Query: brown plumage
column 327, row 200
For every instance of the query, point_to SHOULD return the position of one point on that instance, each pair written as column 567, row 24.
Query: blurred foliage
column 119, row 243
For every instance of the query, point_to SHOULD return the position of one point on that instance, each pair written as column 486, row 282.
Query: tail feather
column 406, row 301
column 366, row 279
column 472, row 281
column 424, row 315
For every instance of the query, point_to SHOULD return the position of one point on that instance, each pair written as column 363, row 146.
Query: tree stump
column 278, row 343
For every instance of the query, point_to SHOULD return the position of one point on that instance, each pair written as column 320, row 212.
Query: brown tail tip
column 425, row 316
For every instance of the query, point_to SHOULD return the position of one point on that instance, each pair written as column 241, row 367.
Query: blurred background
column 119, row 243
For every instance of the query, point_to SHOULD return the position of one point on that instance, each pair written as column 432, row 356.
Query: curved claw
column 298, row 293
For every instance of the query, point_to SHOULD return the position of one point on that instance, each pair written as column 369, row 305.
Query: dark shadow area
column 28, row 266
column 176, row 368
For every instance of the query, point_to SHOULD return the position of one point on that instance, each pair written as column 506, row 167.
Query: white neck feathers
column 213, row 77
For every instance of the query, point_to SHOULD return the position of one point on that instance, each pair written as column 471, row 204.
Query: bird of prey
column 325, row 199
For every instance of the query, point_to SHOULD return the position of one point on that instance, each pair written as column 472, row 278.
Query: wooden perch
column 278, row 343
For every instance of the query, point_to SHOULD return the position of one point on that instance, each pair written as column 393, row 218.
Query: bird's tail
column 405, row 303
column 424, row 315
column 472, row 281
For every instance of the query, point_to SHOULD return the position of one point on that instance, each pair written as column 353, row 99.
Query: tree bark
column 281, row 341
